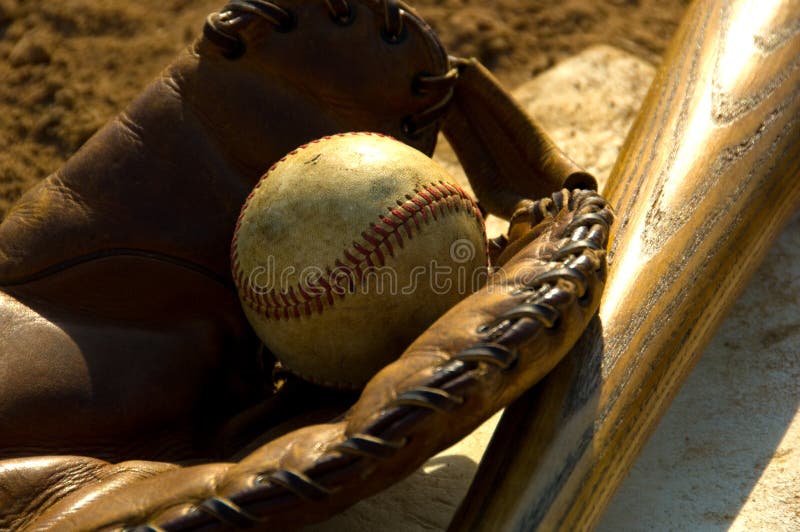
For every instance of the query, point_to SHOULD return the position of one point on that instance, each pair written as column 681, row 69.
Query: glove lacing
column 222, row 28
column 546, row 296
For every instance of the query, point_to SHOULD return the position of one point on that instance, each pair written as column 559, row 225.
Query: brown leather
column 506, row 153
column 115, row 271
column 473, row 361
column 121, row 337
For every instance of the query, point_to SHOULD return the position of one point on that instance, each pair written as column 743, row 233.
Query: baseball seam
column 427, row 203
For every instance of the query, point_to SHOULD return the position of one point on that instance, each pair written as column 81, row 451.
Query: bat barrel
column 709, row 174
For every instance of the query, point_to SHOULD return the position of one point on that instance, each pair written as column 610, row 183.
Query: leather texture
column 114, row 270
column 135, row 394
column 506, row 153
column 476, row 359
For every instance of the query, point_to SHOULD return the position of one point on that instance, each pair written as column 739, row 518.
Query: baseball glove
column 123, row 341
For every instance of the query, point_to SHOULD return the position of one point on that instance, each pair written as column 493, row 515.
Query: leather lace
column 224, row 28
column 576, row 269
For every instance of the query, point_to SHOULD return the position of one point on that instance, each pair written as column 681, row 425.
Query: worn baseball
column 347, row 249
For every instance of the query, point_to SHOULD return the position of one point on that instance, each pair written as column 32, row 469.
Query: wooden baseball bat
column 709, row 174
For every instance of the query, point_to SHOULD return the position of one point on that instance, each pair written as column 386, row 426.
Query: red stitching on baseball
column 434, row 196
column 349, row 256
column 399, row 214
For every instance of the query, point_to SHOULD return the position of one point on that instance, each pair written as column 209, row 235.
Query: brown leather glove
column 473, row 361
column 122, row 336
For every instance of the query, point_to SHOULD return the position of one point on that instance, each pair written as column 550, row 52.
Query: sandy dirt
column 68, row 66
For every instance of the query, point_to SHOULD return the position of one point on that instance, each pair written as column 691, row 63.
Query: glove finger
column 473, row 361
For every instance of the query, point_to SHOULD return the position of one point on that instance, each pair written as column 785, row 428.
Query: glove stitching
column 222, row 29
column 392, row 429
column 341, row 11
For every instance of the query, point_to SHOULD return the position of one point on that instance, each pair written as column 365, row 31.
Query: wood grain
column 709, row 174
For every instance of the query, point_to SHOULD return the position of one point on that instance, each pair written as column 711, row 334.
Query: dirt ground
column 68, row 66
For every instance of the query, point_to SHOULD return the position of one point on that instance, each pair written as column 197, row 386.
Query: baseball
column 347, row 249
